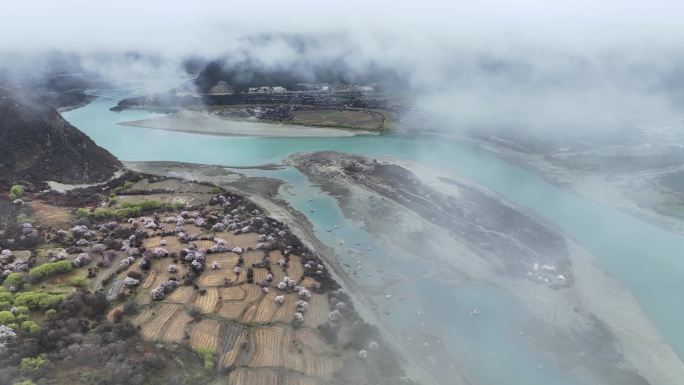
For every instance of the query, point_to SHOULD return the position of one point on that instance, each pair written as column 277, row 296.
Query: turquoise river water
column 645, row 258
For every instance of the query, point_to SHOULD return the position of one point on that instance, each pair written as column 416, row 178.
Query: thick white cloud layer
column 491, row 62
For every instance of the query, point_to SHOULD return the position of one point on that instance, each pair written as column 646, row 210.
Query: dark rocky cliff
column 37, row 144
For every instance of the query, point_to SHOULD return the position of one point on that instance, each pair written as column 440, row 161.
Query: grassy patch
column 16, row 191
column 78, row 280
column 50, row 269
column 207, row 356
column 128, row 210
column 35, row 300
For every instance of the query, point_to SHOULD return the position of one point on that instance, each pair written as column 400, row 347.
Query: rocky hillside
column 37, row 144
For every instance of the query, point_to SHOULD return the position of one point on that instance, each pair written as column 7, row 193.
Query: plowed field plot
column 310, row 282
column 247, row 376
column 172, row 244
column 359, row 119
column 212, row 278
column 152, row 280
column 268, row 310
column 164, row 269
column 260, row 274
column 318, row 311
column 204, row 244
column 242, row 240
column 49, row 215
column 311, row 340
column 298, row 379
column 226, row 260
column 274, row 346
column 154, row 328
column 253, row 292
column 249, row 314
column 295, row 269
column 252, row 257
column 233, row 293
column 175, row 330
column 206, row 334
column 269, row 345
column 207, row 302
column 231, row 310
column 182, row 294
column 191, row 229
column 142, row 317
column 233, row 351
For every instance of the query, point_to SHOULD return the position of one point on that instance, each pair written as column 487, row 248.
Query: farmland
column 216, row 279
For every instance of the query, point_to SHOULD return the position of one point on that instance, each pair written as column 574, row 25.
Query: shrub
column 46, row 270
column 103, row 213
column 14, row 279
column 78, row 281
column 50, row 313
column 125, row 186
column 37, row 300
column 23, row 218
column 30, row 326
column 25, row 382
column 29, row 364
column 82, row 213
column 207, row 356
column 16, row 191
column 6, row 317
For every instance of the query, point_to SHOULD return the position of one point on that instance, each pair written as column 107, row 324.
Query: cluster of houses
column 266, row 90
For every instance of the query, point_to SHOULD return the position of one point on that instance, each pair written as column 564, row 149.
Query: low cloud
column 526, row 63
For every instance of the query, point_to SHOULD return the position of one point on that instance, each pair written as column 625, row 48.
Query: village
column 195, row 269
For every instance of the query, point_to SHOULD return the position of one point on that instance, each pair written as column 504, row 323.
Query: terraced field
column 206, row 334
column 318, row 311
column 206, row 302
column 232, row 310
column 176, row 329
column 234, row 293
column 249, row 332
column 250, row 314
column 50, row 215
column 154, row 328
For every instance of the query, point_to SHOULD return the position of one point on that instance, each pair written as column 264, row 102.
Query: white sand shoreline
column 197, row 122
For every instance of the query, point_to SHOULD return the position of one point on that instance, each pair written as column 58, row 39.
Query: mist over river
column 490, row 348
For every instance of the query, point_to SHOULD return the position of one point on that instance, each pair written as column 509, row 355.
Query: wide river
column 646, row 259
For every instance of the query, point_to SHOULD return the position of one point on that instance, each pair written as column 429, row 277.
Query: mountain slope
column 37, row 144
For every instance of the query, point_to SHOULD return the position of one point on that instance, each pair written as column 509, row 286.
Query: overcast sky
column 564, row 60
column 204, row 25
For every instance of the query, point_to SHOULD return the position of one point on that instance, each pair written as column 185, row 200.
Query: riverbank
column 265, row 193
column 199, row 122
column 84, row 100
column 590, row 326
column 639, row 194
column 205, row 270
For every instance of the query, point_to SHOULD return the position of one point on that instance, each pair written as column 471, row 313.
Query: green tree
column 37, row 300
column 14, row 279
column 16, row 191
column 25, row 382
column 207, row 355
column 46, row 270
column 6, row 317
column 82, row 212
column 29, row 364
column 30, row 326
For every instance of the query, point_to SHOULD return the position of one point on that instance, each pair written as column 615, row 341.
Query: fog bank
column 531, row 63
